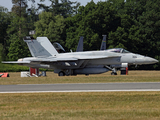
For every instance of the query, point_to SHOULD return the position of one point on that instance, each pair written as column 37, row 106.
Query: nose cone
column 145, row 60
column 149, row 60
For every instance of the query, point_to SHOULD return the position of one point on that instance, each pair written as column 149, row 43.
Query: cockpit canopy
column 59, row 48
column 118, row 50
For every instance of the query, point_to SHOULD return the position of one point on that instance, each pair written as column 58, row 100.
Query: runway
column 80, row 87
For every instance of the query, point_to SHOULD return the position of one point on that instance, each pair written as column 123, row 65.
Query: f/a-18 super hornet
column 44, row 55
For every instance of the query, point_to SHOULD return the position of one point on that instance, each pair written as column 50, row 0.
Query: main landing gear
column 113, row 73
column 61, row 73
column 114, row 70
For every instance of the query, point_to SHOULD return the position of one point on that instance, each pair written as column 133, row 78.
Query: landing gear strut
column 114, row 70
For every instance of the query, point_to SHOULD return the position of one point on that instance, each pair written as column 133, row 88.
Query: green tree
column 64, row 7
column 50, row 26
column 17, row 49
column 16, row 34
column 5, row 20
column 19, row 27
column 19, row 9
column 20, row 12
column 92, row 21
column 138, row 30
column 32, row 17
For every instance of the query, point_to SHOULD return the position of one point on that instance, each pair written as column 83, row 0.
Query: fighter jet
column 44, row 55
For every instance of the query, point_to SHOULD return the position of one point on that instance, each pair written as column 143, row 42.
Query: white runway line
column 133, row 90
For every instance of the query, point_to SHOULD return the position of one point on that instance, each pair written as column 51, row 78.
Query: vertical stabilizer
column 80, row 45
column 40, row 47
column 44, row 41
column 103, row 44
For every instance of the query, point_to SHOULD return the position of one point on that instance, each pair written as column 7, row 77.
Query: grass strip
column 81, row 106
column 134, row 76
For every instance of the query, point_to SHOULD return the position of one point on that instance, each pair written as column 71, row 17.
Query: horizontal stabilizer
column 18, row 62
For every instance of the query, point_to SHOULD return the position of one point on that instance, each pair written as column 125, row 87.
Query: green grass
column 81, row 106
column 134, row 76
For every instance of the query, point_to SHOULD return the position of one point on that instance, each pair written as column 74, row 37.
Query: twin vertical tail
column 40, row 47
column 103, row 44
column 43, row 47
column 80, row 45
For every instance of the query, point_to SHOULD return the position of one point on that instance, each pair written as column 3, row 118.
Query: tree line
column 131, row 24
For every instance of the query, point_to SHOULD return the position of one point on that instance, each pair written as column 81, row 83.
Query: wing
column 71, row 62
column 53, row 59
column 66, row 59
column 67, row 62
column 96, row 57
column 61, row 59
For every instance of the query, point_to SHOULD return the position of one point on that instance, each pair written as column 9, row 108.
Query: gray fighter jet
column 88, row 62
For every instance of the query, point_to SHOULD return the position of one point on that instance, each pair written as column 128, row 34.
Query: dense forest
column 131, row 24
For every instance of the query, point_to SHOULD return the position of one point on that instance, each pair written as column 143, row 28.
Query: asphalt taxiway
column 80, row 87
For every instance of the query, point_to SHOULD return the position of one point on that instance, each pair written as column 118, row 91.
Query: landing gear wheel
column 113, row 73
column 61, row 73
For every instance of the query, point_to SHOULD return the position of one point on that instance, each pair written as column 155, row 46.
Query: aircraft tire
column 61, row 73
column 112, row 73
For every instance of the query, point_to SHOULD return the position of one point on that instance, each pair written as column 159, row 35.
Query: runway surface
column 87, row 87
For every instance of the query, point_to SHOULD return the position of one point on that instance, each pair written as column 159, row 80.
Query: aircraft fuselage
column 116, row 58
